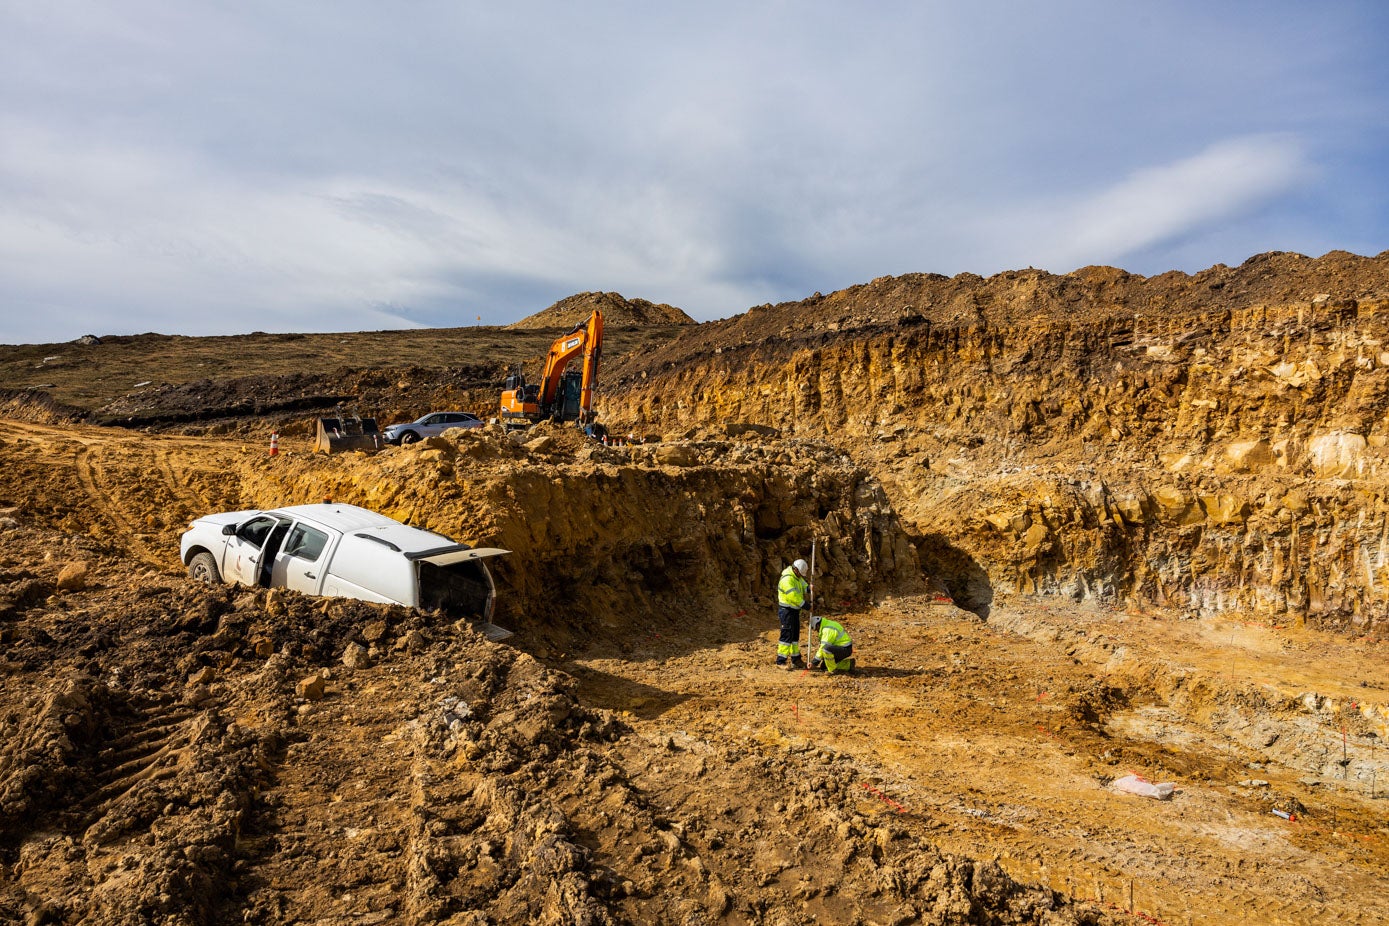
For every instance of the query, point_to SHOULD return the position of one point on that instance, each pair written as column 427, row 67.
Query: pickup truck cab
column 343, row 551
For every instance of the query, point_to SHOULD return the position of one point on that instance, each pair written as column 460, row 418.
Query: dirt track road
column 130, row 490
column 992, row 740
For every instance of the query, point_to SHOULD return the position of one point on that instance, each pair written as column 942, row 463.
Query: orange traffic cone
column 275, row 444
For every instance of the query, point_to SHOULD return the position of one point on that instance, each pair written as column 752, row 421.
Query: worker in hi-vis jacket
column 836, row 652
column 791, row 592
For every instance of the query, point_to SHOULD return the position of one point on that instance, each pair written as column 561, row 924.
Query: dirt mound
column 36, row 405
column 618, row 312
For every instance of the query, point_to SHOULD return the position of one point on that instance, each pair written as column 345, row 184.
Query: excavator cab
column 570, row 395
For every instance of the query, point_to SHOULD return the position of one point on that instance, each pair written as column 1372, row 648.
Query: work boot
column 797, row 662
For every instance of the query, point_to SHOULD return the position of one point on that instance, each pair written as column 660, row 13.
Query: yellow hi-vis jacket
column 832, row 633
column 792, row 589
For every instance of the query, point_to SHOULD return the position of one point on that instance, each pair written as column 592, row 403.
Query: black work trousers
column 789, row 644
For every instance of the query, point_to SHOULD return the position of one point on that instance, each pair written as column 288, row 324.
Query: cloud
column 173, row 236
column 1153, row 206
column 129, row 225
column 212, row 169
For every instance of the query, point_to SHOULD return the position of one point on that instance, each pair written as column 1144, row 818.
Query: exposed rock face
column 1212, row 442
column 599, row 530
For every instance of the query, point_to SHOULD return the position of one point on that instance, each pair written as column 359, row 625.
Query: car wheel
column 409, row 437
column 203, row 567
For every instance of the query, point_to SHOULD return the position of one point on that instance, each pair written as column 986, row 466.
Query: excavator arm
column 593, row 349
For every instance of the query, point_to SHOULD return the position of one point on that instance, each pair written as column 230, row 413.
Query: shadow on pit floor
column 959, row 573
column 616, row 693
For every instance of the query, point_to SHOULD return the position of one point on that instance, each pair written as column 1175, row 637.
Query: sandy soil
column 998, row 739
column 169, row 758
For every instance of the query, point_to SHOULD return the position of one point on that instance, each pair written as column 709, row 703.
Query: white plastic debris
column 1133, row 784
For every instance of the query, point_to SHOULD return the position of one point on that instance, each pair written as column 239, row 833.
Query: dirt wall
column 643, row 536
column 1131, row 441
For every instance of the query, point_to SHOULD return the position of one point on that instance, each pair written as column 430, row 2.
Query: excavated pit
column 187, row 754
column 1080, row 527
column 204, row 755
column 605, row 539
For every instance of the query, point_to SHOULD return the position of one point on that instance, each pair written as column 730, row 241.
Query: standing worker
column 836, row 652
column 791, row 592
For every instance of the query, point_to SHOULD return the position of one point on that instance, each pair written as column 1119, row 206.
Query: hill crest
column 617, row 311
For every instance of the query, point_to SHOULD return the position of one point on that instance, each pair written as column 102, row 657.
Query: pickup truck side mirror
column 228, row 529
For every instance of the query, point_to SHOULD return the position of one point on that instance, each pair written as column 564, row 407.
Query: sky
column 206, row 168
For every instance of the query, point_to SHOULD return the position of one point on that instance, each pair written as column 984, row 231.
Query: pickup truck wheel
column 409, row 437
column 203, row 567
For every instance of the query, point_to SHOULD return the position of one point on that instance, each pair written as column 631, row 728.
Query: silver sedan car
column 430, row 425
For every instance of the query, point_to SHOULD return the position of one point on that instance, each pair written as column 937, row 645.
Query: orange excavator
column 561, row 394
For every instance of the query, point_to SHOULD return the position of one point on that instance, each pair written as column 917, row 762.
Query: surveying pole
column 809, row 647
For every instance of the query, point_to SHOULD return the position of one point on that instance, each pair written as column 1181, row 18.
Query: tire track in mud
column 329, row 807
column 130, row 807
column 151, row 456
column 164, row 454
column 179, row 488
column 148, row 749
column 88, row 476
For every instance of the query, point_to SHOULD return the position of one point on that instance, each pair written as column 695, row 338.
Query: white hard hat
column 801, row 566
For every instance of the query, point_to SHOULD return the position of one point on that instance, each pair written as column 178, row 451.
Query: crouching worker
column 836, row 652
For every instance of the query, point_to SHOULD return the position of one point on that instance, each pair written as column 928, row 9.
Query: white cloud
column 1159, row 204
column 315, row 166
column 204, row 251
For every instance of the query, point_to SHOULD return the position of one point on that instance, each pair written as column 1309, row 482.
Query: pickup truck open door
column 451, row 577
column 246, row 547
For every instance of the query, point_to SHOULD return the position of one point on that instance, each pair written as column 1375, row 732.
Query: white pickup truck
column 343, row 551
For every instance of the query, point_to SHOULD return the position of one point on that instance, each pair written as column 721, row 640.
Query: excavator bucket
column 336, row 435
